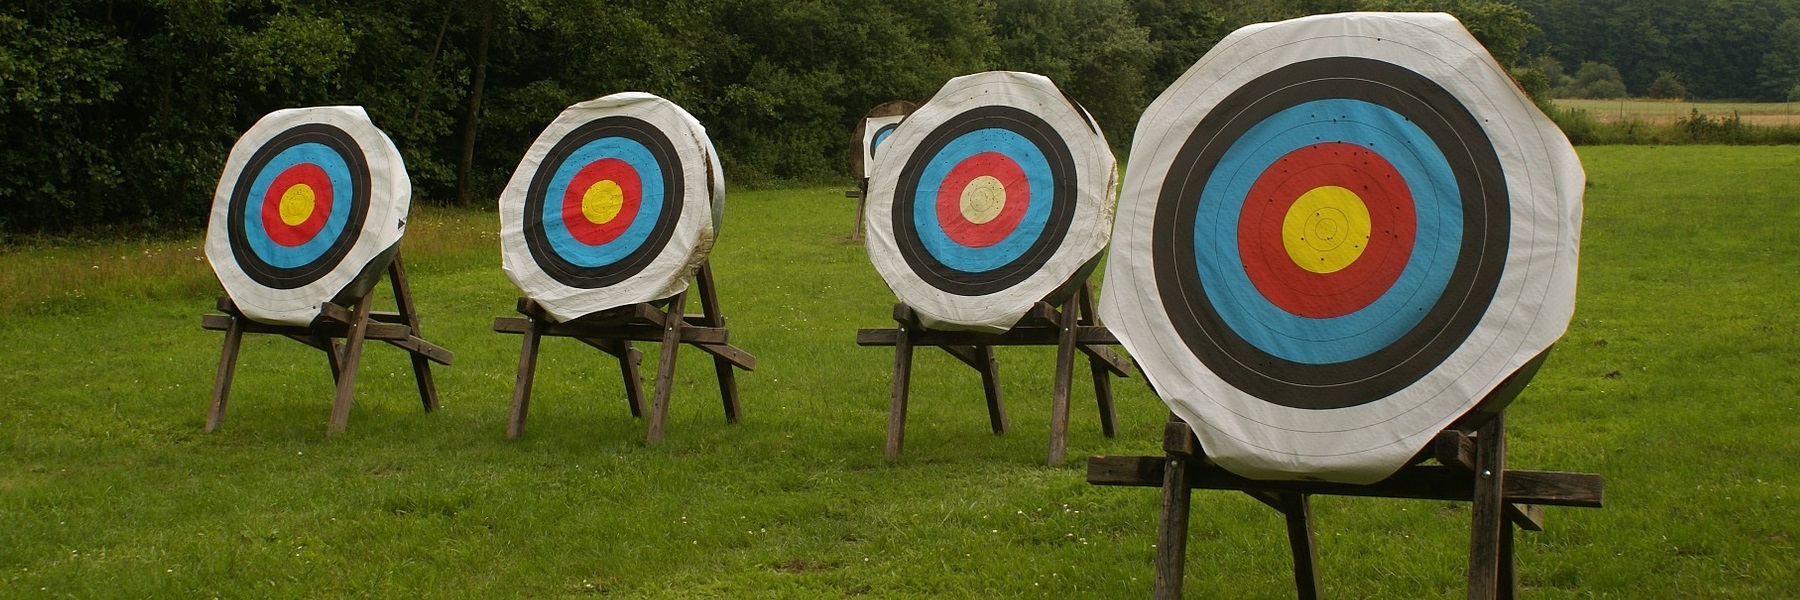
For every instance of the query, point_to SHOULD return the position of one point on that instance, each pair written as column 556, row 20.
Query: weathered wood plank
column 1424, row 482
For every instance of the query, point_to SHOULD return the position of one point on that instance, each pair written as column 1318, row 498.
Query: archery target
column 988, row 199
column 1338, row 234
column 617, row 202
column 310, row 207
column 874, row 130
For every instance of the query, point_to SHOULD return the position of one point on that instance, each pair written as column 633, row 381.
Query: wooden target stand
column 1072, row 327
column 612, row 331
column 340, row 331
column 1471, row 467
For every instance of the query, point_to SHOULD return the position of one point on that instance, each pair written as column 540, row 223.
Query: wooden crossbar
column 1071, row 328
column 1471, row 469
column 351, row 325
column 613, row 331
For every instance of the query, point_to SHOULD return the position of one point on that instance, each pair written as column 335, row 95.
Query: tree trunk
column 465, row 166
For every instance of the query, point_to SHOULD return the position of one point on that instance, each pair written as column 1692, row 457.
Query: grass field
column 1667, row 112
column 1678, row 381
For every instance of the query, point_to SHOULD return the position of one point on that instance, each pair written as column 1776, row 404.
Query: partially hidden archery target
column 310, row 207
column 1337, row 235
column 617, row 202
column 988, row 199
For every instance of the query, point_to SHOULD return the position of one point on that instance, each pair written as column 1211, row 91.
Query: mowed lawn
column 1678, row 381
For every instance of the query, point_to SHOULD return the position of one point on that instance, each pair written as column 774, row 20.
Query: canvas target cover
column 1337, row 234
column 990, row 197
column 874, row 130
column 310, row 207
column 617, row 202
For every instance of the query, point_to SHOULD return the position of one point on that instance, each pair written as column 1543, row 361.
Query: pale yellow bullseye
column 602, row 202
column 1326, row 229
column 983, row 199
column 297, row 204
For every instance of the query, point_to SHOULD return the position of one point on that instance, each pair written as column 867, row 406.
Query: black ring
column 668, row 161
column 1062, row 208
column 287, row 278
column 1473, row 280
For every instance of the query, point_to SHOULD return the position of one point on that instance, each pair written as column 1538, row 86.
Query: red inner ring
column 294, row 235
column 1326, row 295
column 949, row 200
column 632, row 188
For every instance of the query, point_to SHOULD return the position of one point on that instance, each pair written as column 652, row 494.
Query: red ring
column 1327, row 295
column 949, row 200
column 589, row 232
column 294, row 235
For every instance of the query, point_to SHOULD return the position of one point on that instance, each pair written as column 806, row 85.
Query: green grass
column 1677, row 381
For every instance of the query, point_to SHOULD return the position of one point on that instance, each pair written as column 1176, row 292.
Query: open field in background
column 1678, row 381
column 1667, row 112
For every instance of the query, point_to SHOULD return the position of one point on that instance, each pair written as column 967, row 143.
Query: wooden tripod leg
column 903, row 355
column 352, row 357
column 1297, row 511
column 420, row 365
column 629, row 359
column 990, row 387
column 334, row 355
column 714, row 317
column 862, row 206
column 1487, row 517
column 1103, row 395
column 1172, row 528
column 234, row 337
column 1065, row 374
column 665, row 368
column 528, row 355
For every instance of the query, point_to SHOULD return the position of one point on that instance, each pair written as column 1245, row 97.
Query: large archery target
column 1337, row 235
column 988, row 199
column 311, row 201
column 617, row 202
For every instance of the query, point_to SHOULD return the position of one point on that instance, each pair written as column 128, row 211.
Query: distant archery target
column 311, row 201
column 874, row 130
column 1338, row 234
column 988, row 199
column 616, row 203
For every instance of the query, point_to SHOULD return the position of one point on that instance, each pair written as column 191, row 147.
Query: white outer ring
column 390, row 197
column 1530, row 311
column 1095, row 185
column 703, row 204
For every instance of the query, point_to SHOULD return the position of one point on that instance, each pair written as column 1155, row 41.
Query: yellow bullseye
column 983, row 199
column 297, row 204
column 1326, row 229
column 602, row 202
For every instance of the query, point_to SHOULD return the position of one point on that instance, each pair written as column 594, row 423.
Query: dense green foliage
column 1747, row 49
column 120, row 112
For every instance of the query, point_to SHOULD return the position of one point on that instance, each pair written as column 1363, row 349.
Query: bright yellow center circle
column 602, row 201
column 297, row 204
column 983, row 199
column 1326, row 229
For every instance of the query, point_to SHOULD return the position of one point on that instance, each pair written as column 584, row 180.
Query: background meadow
column 1677, row 381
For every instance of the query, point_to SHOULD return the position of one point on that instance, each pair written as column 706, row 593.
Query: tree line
column 120, row 112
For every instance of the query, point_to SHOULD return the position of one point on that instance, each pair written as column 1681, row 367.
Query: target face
column 874, row 131
column 310, row 202
column 616, row 203
column 989, row 199
column 1341, row 239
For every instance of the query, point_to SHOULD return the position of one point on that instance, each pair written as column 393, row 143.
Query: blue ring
column 968, row 259
column 650, row 205
column 336, row 169
column 1437, row 205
